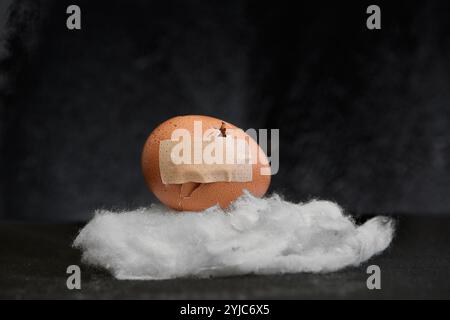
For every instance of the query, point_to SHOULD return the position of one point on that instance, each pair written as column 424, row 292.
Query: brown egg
column 196, row 196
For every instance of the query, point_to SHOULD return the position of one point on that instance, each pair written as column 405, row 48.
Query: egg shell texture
column 199, row 196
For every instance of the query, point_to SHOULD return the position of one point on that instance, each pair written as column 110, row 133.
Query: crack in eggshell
column 223, row 129
column 187, row 190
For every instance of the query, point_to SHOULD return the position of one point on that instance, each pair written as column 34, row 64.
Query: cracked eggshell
column 199, row 196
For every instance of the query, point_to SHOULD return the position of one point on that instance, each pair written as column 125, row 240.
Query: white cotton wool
column 261, row 236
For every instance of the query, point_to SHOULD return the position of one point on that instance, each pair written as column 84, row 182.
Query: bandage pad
column 223, row 159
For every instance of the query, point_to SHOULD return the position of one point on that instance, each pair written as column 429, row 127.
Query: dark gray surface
column 34, row 258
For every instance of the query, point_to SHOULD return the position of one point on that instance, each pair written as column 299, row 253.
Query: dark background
column 364, row 116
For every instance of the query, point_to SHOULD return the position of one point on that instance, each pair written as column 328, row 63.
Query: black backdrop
column 364, row 116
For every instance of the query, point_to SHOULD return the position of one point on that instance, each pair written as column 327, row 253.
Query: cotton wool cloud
column 254, row 235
